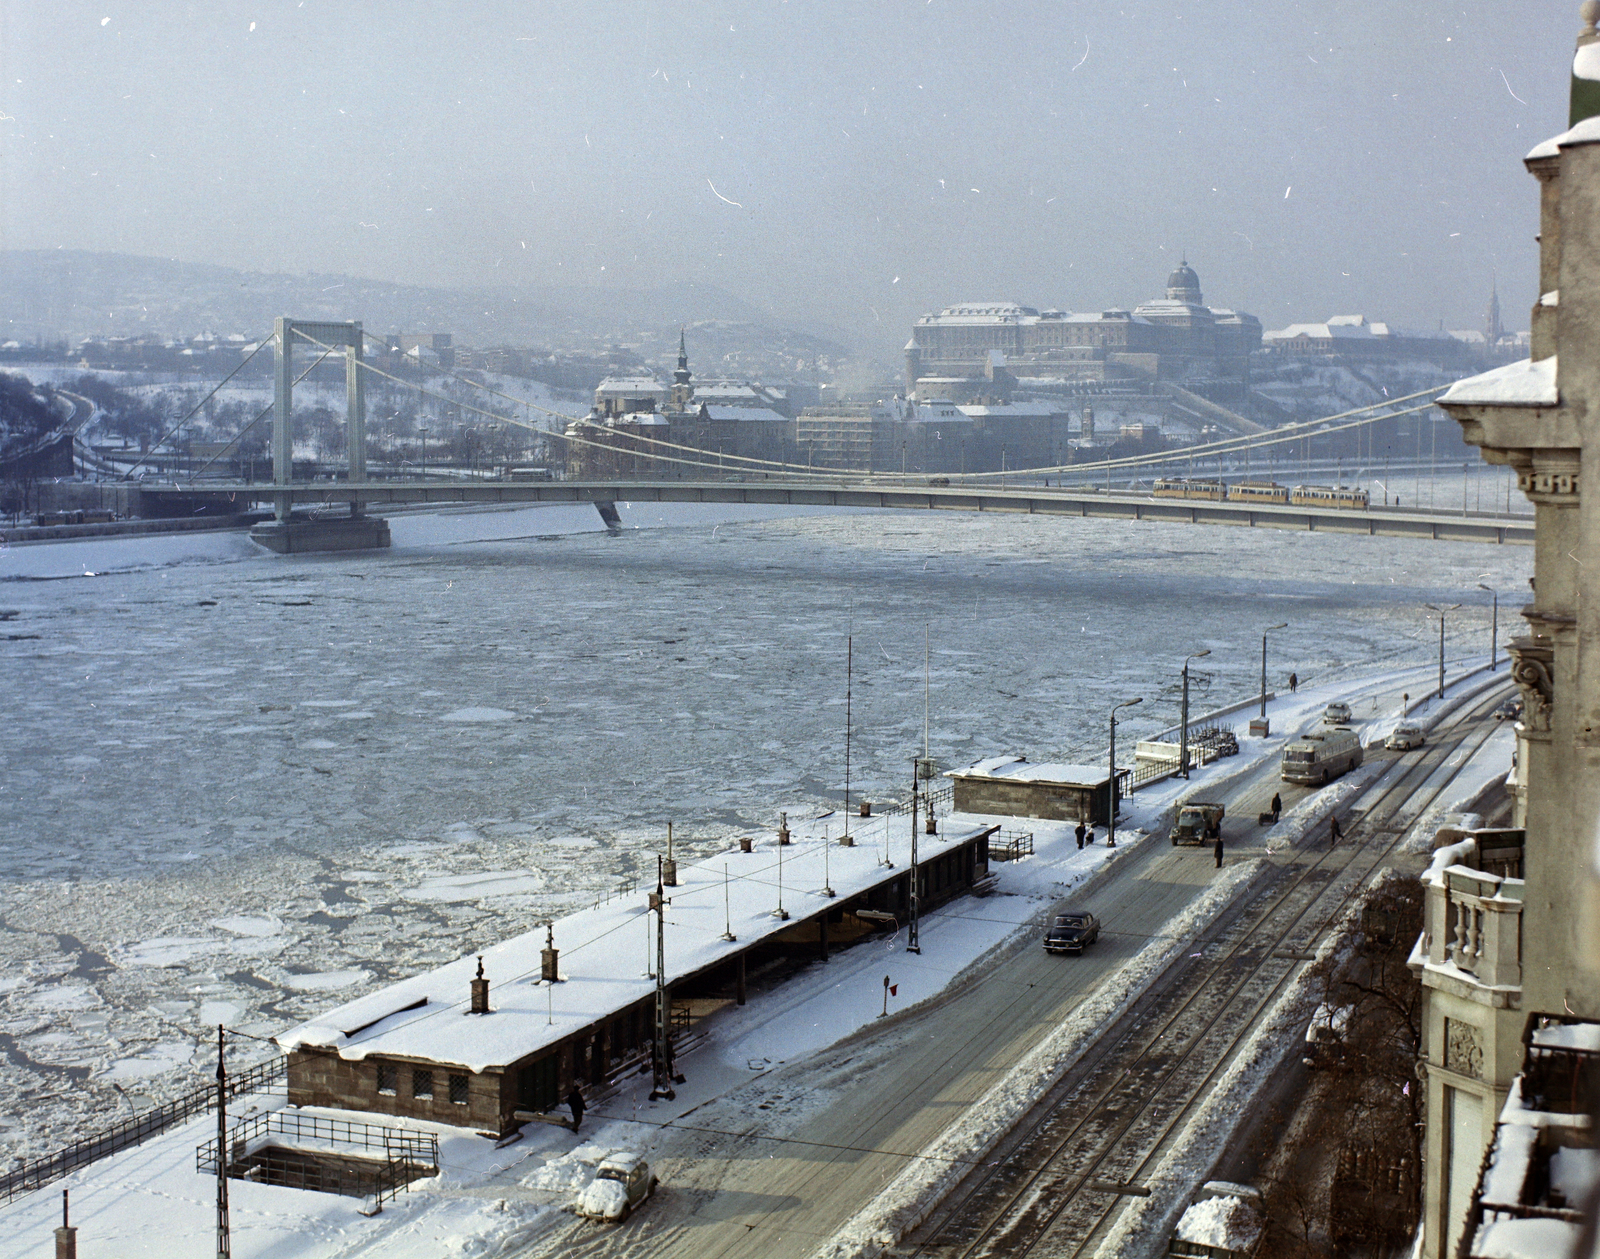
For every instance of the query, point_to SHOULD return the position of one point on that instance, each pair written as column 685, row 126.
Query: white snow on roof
column 1523, row 384
column 1569, row 1036
column 603, row 951
column 764, row 414
column 1016, row 769
column 1524, row 1239
column 1013, row 410
column 1230, row 1223
column 623, row 386
column 1586, row 132
column 1509, row 1161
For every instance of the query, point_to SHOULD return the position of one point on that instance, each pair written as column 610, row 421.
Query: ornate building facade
column 1511, row 943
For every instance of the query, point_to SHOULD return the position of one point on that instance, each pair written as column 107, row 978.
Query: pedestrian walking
column 575, row 1101
column 1334, row 833
column 1089, row 836
column 1277, row 807
column 1219, row 852
column 1079, row 833
column 1294, row 682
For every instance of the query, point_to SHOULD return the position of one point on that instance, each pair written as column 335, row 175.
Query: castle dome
column 1183, row 285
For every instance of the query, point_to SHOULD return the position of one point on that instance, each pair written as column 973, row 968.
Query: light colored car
column 621, row 1182
column 1404, row 737
column 1336, row 714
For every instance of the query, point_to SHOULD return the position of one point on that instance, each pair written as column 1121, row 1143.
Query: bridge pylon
column 317, row 334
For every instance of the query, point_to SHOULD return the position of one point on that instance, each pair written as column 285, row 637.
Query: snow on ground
column 1480, row 770
column 1226, row 1221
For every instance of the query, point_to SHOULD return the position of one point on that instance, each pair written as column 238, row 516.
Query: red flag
column 894, row 990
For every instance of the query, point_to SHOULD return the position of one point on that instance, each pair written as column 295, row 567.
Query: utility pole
column 661, row 1058
column 1183, row 745
column 224, row 1242
column 1494, row 624
column 913, row 945
column 1285, row 625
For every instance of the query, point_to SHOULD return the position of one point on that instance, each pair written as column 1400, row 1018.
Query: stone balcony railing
column 1472, row 919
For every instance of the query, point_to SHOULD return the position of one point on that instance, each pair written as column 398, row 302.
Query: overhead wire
column 261, row 345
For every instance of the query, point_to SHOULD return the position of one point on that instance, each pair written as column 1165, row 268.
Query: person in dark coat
column 1079, row 833
column 1277, row 805
column 1294, row 683
column 575, row 1101
column 1219, row 852
column 1334, row 833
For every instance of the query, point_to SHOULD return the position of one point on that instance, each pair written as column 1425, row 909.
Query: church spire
column 682, row 386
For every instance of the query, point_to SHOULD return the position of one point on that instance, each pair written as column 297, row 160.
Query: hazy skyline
column 853, row 164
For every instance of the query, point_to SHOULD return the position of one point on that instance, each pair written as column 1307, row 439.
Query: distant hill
column 72, row 294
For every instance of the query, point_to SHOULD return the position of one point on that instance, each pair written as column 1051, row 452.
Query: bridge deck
column 896, row 495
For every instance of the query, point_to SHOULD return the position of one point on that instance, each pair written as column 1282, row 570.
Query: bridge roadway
column 880, row 493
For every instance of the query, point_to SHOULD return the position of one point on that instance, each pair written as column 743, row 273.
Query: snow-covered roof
column 764, row 415
column 603, row 952
column 1586, row 132
column 1018, row 769
column 1527, row 383
column 1014, row 410
column 630, row 386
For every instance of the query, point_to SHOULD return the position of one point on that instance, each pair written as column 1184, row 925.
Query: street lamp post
column 1441, row 611
column 1494, row 624
column 1264, row 726
column 423, row 475
column 1111, row 794
column 1183, row 738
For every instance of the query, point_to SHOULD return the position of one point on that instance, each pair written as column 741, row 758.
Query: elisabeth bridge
column 685, row 474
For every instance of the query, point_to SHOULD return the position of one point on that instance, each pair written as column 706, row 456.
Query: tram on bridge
column 1338, row 496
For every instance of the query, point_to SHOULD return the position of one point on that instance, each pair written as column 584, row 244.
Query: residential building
column 1509, row 948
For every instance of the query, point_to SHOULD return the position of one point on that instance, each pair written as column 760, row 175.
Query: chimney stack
column 669, row 868
column 783, row 829
column 549, row 955
column 480, row 990
column 66, row 1235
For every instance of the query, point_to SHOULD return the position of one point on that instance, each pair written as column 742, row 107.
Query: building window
column 388, row 1079
column 422, row 1084
column 458, row 1090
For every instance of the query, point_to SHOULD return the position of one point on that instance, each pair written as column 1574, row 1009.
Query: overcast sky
column 858, row 163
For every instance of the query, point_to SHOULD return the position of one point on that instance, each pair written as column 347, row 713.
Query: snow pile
column 1479, row 773
column 927, row 1179
column 1228, row 1222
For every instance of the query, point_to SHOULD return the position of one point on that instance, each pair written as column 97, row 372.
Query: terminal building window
column 422, row 1084
column 388, row 1079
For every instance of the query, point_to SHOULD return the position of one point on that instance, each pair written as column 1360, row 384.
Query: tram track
column 1058, row 1185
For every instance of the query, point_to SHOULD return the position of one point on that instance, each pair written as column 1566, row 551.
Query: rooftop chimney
column 480, row 990
column 669, row 868
column 783, row 829
column 549, row 955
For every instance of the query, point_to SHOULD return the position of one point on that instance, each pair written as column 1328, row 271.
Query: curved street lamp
column 1265, row 728
column 1111, row 795
column 1183, row 740
column 1441, row 611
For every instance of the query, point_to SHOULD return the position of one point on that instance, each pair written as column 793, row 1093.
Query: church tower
column 1492, row 328
column 682, row 379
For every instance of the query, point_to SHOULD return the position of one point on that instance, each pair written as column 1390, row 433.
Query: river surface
column 240, row 787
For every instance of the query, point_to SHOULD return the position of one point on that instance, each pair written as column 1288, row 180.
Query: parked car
column 1336, row 714
column 1511, row 710
column 1071, row 932
column 1404, row 737
column 621, row 1182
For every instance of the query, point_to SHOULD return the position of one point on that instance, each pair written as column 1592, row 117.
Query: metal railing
column 36, row 1173
column 1011, row 846
column 324, row 1155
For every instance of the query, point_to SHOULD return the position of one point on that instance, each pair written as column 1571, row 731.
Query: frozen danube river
column 238, row 787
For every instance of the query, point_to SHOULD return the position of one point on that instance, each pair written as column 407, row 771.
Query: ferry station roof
column 607, row 950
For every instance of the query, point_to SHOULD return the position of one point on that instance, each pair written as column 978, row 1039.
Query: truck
column 1198, row 823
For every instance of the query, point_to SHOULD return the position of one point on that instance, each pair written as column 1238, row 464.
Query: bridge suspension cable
column 128, row 476
column 1282, row 435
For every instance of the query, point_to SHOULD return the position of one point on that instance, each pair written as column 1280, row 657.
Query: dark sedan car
column 1069, row 933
